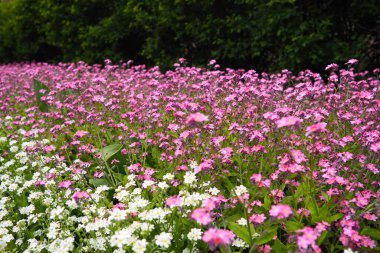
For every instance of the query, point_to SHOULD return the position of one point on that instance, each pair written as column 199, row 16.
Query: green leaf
column 335, row 217
column 312, row 206
column 267, row 202
column 38, row 86
column 322, row 237
column 278, row 246
column 272, row 231
column 372, row 232
column 292, row 226
column 240, row 231
column 98, row 182
column 109, row 151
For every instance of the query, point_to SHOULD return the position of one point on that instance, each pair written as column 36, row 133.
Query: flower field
column 124, row 158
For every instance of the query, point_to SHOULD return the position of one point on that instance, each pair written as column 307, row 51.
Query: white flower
column 118, row 214
column 13, row 149
column 168, row 176
column 163, row 240
column 195, row 234
column 349, row 250
column 140, row 246
column 189, row 178
column 242, row 222
column 53, row 230
column 57, row 212
column 122, row 237
column 193, row 165
column 98, row 243
column 240, row 243
column 163, row 185
column 213, row 191
column 147, row 183
column 240, row 190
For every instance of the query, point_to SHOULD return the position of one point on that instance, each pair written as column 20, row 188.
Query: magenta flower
column 201, row 215
column 288, row 121
column 280, row 211
column 196, row 118
column 80, row 195
column 216, row 237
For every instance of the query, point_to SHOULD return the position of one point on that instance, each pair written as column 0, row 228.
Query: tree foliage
column 264, row 35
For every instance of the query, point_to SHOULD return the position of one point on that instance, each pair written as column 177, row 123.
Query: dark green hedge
column 264, row 35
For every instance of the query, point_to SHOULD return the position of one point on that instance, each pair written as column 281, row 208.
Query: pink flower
column 65, row 184
column 40, row 183
column 174, row 201
column 196, row 118
column 213, row 202
column 51, row 176
column 288, row 121
column 352, row 62
column 201, row 215
column 298, row 156
column 255, row 178
column 257, row 218
column 280, row 211
column 119, row 206
column 307, row 238
column 215, row 237
column 98, row 174
column 80, row 134
column 332, row 67
column 375, row 147
column 49, row 148
column 80, row 195
column 316, row 128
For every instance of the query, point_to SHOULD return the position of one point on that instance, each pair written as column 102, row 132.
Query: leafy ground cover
column 127, row 159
